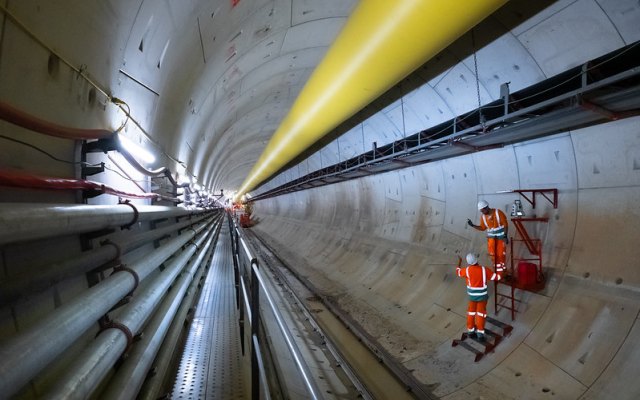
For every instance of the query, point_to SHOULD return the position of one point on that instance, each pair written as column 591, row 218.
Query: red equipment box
column 527, row 273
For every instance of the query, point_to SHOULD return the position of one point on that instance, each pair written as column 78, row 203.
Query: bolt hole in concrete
column 618, row 281
column 92, row 96
column 53, row 65
column 518, row 373
column 546, row 390
column 586, row 275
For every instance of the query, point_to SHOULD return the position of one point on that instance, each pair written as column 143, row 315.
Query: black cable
column 123, row 176
column 65, row 161
column 45, row 153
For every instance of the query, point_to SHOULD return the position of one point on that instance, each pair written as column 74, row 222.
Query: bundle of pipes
column 156, row 349
column 109, row 251
column 31, row 350
column 20, row 222
column 92, row 365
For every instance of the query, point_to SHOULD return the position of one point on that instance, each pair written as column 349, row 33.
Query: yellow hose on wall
column 382, row 42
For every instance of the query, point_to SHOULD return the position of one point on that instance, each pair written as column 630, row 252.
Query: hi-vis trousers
column 476, row 315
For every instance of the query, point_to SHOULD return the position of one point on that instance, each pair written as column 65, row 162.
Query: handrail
column 295, row 352
column 293, row 349
column 263, row 375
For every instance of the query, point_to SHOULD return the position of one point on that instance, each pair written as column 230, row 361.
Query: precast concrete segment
column 573, row 338
column 210, row 366
column 27, row 353
column 135, row 368
column 356, row 69
column 88, row 369
column 25, row 221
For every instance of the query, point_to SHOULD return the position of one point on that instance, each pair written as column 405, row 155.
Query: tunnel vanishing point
column 362, row 135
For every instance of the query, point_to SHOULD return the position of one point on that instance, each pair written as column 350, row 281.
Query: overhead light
column 183, row 178
column 136, row 150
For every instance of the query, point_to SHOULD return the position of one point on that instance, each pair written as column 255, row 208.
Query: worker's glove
column 506, row 240
column 469, row 222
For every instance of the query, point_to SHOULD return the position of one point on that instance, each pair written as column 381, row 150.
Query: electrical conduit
column 29, row 221
column 154, row 382
column 132, row 372
column 28, row 282
column 26, row 354
column 88, row 369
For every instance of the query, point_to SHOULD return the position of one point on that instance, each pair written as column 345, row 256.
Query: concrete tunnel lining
column 397, row 233
column 565, row 338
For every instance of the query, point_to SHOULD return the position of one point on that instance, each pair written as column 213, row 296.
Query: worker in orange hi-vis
column 477, row 277
column 495, row 223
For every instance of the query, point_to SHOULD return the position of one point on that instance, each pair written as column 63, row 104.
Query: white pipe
column 153, row 384
column 130, row 376
column 28, row 282
column 88, row 369
column 26, row 354
column 26, row 221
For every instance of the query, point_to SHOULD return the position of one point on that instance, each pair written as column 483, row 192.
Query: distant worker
column 495, row 223
column 477, row 277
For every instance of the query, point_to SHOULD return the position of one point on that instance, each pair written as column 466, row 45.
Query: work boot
column 472, row 334
column 481, row 338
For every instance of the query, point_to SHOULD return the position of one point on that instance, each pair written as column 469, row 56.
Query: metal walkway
column 210, row 367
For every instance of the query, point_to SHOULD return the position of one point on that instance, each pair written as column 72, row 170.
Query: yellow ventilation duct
column 382, row 42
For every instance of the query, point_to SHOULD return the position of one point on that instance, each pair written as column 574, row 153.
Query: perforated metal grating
column 210, row 367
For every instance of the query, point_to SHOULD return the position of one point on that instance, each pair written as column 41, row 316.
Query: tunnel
column 357, row 140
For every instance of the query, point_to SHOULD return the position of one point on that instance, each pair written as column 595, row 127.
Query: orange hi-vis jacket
column 477, row 277
column 495, row 224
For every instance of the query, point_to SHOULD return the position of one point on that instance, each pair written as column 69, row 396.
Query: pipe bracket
column 124, row 268
column 136, row 214
column 106, row 323
column 193, row 242
column 187, row 228
column 117, row 247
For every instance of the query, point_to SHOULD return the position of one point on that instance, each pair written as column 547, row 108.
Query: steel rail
column 329, row 343
column 295, row 352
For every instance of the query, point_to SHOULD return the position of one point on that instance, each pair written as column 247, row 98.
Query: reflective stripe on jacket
column 477, row 277
column 495, row 225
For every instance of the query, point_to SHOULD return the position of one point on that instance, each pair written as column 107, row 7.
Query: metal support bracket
column 124, row 268
column 92, row 170
column 106, row 323
column 136, row 214
column 543, row 192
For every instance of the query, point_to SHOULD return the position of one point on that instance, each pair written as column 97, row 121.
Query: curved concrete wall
column 210, row 81
column 385, row 247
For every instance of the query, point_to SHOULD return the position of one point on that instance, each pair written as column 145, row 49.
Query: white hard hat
column 482, row 204
column 471, row 259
